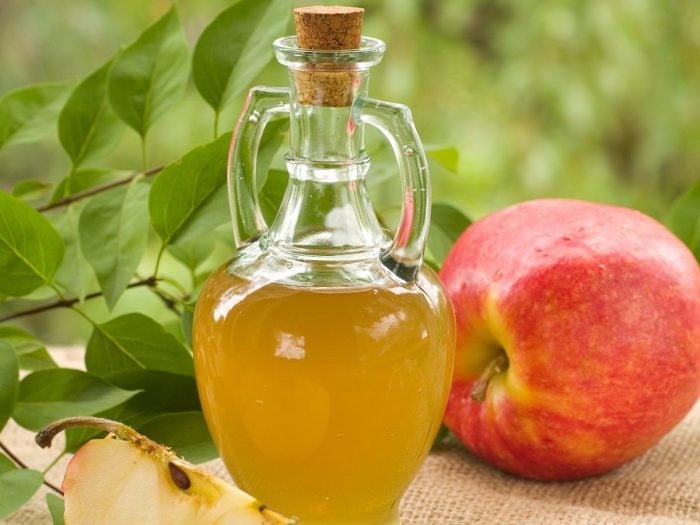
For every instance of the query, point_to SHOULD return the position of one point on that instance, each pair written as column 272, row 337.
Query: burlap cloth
column 662, row 487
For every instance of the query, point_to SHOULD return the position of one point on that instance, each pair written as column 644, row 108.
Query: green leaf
column 47, row 395
column 189, row 197
column 6, row 464
column 447, row 157
column 30, row 189
column 31, row 353
column 87, row 127
column 446, row 224
column 441, row 436
column 272, row 193
column 235, row 47
column 79, row 182
column 113, row 233
column 684, row 219
column 17, row 487
column 122, row 348
column 186, row 321
column 56, row 508
column 150, row 75
column 163, row 393
column 30, row 248
column 9, row 382
column 74, row 275
column 185, row 432
column 29, row 113
column 193, row 252
column 272, row 140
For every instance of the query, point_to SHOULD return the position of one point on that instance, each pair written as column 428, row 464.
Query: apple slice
column 126, row 478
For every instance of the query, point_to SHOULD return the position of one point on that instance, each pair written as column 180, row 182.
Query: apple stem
column 124, row 432
column 497, row 365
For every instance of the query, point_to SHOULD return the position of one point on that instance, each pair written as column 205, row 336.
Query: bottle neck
column 321, row 128
column 326, row 212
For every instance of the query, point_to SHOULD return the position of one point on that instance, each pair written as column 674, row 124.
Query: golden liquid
column 323, row 402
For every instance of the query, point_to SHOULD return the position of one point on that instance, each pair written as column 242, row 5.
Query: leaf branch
column 12, row 456
column 67, row 303
column 99, row 189
column 170, row 301
column 22, row 464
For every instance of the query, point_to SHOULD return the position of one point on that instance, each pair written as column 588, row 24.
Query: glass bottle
column 323, row 350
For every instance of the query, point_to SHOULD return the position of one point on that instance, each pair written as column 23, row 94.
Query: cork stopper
column 327, row 28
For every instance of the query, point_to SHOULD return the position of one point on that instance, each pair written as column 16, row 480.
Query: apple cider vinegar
column 323, row 350
column 323, row 402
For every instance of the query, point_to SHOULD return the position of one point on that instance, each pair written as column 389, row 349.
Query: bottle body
column 323, row 351
column 324, row 400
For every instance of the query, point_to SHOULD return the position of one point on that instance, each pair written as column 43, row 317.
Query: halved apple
column 127, row 478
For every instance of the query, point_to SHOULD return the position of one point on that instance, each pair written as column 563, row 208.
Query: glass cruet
column 323, row 350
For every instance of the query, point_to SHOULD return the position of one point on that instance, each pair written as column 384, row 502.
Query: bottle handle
column 405, row 254
column 262, row 104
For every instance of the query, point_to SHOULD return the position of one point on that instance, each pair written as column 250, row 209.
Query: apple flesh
column 126, row 478
column 578, row 341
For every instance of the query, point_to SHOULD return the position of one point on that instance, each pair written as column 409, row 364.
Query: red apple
column 578, row 337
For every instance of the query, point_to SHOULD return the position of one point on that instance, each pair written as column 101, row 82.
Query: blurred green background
column 595, row 99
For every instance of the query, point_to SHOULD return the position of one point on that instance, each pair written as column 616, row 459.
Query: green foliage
column 446, row 225
column 56, row 508
column 188, row 198
column 684, row 219
column 9, row 381
column 113, row 232
column 30, row 248
column 163, row 393
column 17, row 486
column 74, row 275
column 87, row 127
column 28, row 114
column 80, row 181
column 193, row 252
column 30, row 189
column 447, row 157
column 121, row 349
column 150, row 75
column 31, row 353
column 6, row 464
column 234, row 48
column 272, row 193
column 48, row 395
column 274, row 136
column 186, row 322
column 185, row 432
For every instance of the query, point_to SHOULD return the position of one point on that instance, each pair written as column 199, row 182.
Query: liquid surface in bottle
column 323, row 402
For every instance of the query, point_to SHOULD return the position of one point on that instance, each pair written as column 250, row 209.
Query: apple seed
column 179, row 477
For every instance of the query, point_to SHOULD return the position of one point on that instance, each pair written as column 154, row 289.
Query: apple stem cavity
column 497, row 365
